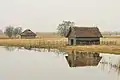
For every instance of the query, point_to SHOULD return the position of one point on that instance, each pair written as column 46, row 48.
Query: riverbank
column 35, row 43
column 95, row 48
column 59, row 43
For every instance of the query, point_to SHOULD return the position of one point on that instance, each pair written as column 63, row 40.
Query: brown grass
column 44, row 42
column 108, row 36
column 116, row 40
column 48, row 35
column 61, row 43
column 3, row 37
column 95, row 48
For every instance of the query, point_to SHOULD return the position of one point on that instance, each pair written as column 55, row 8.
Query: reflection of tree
column 56, row 51
column 9, row 48
column 28, row 48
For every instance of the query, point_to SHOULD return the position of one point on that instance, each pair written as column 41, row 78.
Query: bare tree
column 64, row 27
column 9, row 31
column 1, row 32
column 17, row 31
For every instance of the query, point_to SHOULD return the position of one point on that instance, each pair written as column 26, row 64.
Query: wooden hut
column 83, row 36
column 28, row 34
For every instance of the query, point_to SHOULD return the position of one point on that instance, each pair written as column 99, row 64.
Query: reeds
column 61, row 44
column 95, row 48
column 34, row 43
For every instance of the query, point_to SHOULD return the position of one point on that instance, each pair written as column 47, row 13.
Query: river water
column 22, row 64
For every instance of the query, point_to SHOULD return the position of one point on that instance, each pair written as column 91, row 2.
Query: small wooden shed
column 83, row 36
column 28, row 34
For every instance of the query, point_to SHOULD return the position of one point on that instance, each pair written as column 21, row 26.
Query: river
column 23, row 64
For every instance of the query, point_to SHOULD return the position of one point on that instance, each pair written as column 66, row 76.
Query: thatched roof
column 28, row 32
column 84, row 32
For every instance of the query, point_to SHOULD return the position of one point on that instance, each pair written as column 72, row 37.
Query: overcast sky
column 45, row 15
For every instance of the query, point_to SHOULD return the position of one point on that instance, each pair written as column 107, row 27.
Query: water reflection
column 111, row 63
column 9, row 48
column 56, row 51
column 42, row 64
column 80, row 59
column 28, row 48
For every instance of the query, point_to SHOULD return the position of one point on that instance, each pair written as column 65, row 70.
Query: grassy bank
column 95, row 48
column 35, row 43
column 61, row 43
column 111, row 39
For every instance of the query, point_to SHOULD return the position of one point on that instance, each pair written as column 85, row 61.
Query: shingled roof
column 28, row 32
column 84, row 32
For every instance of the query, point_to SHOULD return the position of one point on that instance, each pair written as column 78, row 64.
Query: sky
column 45, row 15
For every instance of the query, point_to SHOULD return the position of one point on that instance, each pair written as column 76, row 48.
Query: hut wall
column 27, row 37
column 87, row 41
column 71, row 41
column 83, row 41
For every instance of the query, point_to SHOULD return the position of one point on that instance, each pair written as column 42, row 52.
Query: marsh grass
column 95, row 48
column 61, row 44
column 110, row 41
column 115, row 66
column 34, row 43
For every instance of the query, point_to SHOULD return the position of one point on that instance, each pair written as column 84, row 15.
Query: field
column 55, row 41
column 110, row 41
column 3, row 37
column 95, row 48
column 48, row 35
column 44, row 42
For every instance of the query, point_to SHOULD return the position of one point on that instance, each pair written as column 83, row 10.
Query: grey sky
column 45, row 15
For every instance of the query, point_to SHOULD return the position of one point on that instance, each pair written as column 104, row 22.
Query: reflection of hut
column 83, row 36
column 83, row 59
column 28, row 34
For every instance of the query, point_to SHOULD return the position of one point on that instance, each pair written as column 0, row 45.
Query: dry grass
column 95, row 48
column 112, row 36
column 3, row 37
column 61, row 43
column 116, row 40
column 45, row 42
column 48, row 35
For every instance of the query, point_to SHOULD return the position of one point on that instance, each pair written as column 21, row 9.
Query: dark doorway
column 71, row 41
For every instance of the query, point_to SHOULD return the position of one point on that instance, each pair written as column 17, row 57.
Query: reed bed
column 110, row 41
column 61, row 43
column 34, row 43
column 95, row 48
